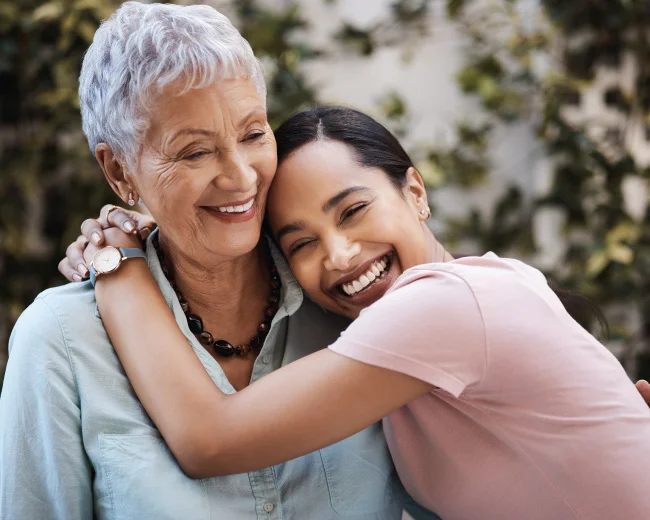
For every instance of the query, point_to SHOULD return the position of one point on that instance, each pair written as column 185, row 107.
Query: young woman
column 489, row 389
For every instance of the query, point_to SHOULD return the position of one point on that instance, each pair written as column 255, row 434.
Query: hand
column 96, row 232
column 112, row 237
column 644, row 389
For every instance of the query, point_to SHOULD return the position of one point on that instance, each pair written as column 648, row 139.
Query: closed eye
column 353, row 210
column 254, row 136
column 299, row 245
column 196, row 155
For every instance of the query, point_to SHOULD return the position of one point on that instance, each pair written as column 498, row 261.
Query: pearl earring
column 131, row 201
column 425, row 213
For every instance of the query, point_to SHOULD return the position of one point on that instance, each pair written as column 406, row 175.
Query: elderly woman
column 173, row 106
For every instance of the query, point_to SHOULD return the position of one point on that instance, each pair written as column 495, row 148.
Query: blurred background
column 529, row 120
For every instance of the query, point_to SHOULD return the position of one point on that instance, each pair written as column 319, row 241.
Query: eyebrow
column 289, row 228
column 341, row 195
column 255, row 111
column 192, row 131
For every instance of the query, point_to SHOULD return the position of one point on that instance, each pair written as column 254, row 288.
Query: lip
column 363, row 268
column 374, row 291
column 233, row 203
column 232, row 218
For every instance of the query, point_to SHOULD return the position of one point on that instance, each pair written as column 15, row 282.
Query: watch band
column 127, row 252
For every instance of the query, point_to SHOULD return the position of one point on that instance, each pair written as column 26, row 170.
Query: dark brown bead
column 223, row 348
column 275, row 284
column 195, row 323
column 206, row 338
column 264, row 327
column 271, row 311
column 256, row 342
column 243, row 349
column 273, row 299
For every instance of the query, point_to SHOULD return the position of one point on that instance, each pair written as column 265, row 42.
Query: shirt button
column 268, row 507
column 266, row 360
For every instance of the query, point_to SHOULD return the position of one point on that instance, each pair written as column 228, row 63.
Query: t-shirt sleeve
column 428, row 326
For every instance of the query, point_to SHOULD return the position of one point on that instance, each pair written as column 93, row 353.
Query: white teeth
column 237, row 209
column 373, row 273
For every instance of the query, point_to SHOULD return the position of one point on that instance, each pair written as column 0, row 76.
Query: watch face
column 107, row 259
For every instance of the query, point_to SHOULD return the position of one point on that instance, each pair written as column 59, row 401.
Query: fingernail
column 95, row 237
column 129, row 227
column 83, row 270
column 145, row 233
column 76, row 277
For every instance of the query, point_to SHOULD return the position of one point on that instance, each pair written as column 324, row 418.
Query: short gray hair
column 141, row 49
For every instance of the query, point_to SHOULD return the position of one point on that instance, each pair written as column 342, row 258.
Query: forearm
column 306, row 405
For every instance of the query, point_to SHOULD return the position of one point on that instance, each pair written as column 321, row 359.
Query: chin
column 235, row 245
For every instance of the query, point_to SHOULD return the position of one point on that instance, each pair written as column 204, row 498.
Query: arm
column 44, row 471
column 306, row 405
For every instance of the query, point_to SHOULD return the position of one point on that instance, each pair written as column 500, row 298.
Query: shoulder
column 437, row 291
column 429, row 326
column 42, row 330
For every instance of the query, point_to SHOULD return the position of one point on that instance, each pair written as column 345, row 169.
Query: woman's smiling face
column 208, row 159
column 347, row 230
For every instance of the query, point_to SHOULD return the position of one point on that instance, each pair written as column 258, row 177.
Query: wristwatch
column 108, row 259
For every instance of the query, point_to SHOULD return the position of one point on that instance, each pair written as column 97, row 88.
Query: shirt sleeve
column 44, row 470
column 428, row 326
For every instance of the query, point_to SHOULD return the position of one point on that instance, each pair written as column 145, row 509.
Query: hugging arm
column 309, row 404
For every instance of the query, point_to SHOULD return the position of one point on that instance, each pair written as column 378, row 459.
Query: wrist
column 123, row 280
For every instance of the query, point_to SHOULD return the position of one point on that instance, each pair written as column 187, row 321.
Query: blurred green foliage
column 49, row 181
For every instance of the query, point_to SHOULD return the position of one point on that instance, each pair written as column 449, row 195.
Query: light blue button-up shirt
column 75, row 442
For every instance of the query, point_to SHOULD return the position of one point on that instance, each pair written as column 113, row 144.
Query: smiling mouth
column 238, row 208
column 375, row 272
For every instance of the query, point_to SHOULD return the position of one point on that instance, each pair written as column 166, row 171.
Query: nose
column 340, row 252
column 237, row 174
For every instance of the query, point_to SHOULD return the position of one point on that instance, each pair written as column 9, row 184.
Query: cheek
column 307, row 272
column 265, row 163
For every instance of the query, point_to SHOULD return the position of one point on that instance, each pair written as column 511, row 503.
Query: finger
column 119, row 218
column 75, row 255
column 644, row 389
column 144, row 223
column 92, row 230
column 68, row 271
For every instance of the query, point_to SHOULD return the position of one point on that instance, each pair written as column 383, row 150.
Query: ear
column 415, row 190
column 114, row 172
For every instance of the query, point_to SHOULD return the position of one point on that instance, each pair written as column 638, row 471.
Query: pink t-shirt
column 532, row 417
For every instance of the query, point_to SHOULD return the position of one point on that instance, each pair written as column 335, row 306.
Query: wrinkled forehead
column 221, row 107
column 312, row 176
